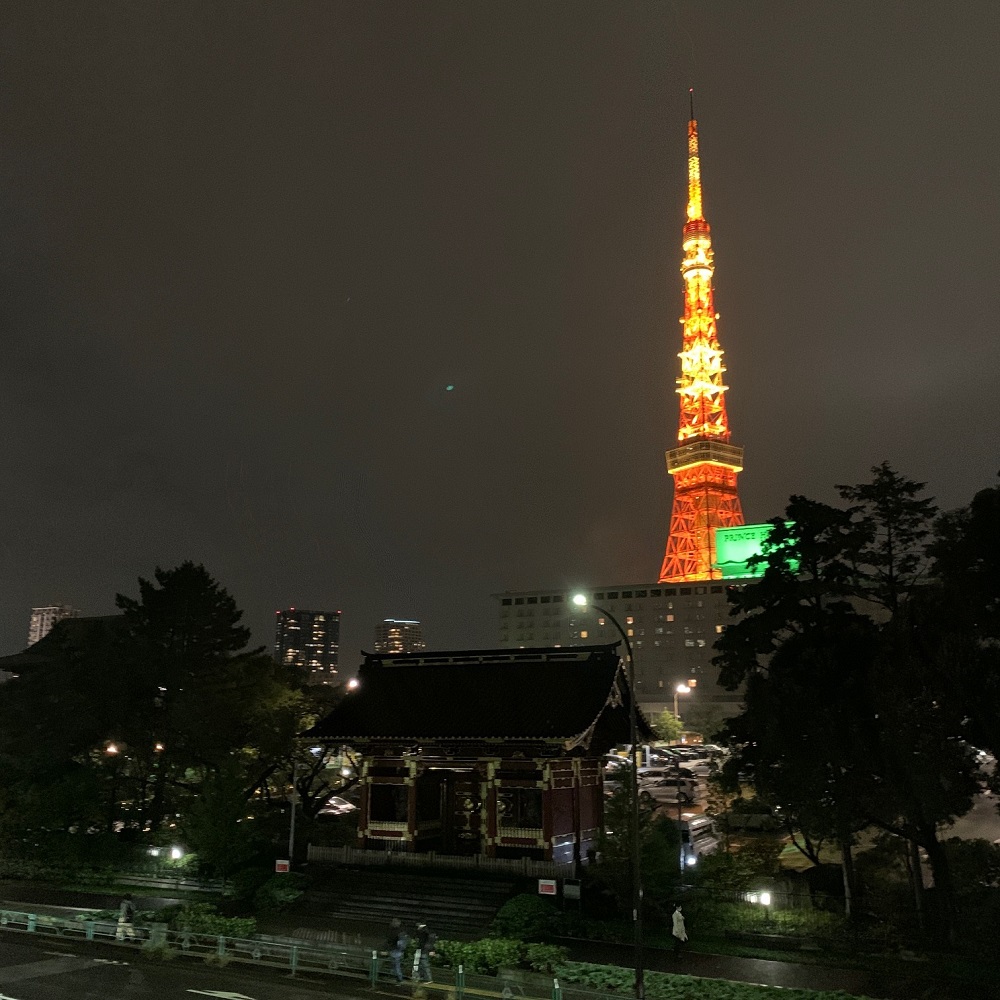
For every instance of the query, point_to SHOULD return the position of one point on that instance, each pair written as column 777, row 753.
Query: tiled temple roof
column 574, row 698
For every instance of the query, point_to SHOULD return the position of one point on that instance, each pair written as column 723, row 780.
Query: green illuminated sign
column 735, row 546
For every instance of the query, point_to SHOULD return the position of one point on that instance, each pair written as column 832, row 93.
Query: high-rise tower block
column 704, row 464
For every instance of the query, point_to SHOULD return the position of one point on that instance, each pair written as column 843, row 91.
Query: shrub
column 666, row 986
column 528, row 917
column 544, row 957
column 279, row 892
column 202, row 918
column 244, row 884
column 157, row 952
column 756, row 861
column 975, row 864
column 488, row 955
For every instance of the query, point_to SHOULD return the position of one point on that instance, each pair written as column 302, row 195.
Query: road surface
column 52, row 969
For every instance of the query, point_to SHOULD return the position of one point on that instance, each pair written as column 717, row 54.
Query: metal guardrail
column 354, row 961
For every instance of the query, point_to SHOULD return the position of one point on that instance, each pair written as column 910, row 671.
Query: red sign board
column 282, row 867
column 547, row 887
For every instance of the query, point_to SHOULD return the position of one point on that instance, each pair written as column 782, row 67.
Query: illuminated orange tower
column 704, row 464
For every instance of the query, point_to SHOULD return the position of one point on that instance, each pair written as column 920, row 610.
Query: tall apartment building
column 396, row 637
column 42, row 620
column 309, row 639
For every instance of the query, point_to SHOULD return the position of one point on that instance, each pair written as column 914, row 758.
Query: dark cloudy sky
column 245, row 246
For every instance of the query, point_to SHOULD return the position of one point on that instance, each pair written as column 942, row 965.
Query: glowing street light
column 633, row 724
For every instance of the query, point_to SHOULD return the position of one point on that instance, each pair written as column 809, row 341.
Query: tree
column 966, row 561
column 660, row 851
column 897, row 522
column 966, row 612
column 707, row 718
column 795, row 649
column 55, row 722
column 203, row 696
column 667, row 726
column 216, row 823
column 848, row 717
column 800, row 734
column 128, row 719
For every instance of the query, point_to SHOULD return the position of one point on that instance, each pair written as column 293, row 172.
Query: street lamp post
column 633, row 721
column 293, row 798
column 680, row 689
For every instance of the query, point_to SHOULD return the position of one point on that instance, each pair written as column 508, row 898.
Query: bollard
column 460, row 982
column 556, row 990
column 220, row 946
column 373, row 969
column 89, row 924
column 32, row 921
column 295, row 959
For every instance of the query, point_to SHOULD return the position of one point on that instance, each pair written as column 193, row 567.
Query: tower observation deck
column 704, row 464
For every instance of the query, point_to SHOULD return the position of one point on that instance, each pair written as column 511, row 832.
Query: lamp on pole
column 293, row 798
column 633, row 723
column 680, row 689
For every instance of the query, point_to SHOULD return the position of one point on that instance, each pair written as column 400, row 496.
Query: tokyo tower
column 704, row 464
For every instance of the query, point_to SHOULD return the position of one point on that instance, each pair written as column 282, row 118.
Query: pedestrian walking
column 396, row 947
column 126, row 919
column 426, row 939
column 678, row 929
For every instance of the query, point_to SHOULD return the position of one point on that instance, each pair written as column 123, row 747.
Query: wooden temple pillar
column 490, row 817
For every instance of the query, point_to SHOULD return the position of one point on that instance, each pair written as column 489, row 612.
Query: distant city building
column 397, row 637
column 309, row 639
column 42, row 620
column 671, row 629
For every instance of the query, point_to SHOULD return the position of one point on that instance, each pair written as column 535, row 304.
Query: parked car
column 337, row 805
column 665, row 771
column 614, row 774
column 669, row 790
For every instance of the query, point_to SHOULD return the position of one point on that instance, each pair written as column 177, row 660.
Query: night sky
column 246, row 247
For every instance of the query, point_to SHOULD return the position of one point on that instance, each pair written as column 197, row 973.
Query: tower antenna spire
column 703, row 464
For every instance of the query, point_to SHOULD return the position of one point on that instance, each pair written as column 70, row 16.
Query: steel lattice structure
column 704, row 464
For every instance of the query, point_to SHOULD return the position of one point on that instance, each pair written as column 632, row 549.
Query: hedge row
column 667, row 986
